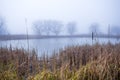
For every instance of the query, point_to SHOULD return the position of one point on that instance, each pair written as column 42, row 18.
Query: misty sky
column 84, row 12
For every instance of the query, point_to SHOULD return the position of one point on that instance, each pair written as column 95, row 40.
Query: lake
column 48, row 46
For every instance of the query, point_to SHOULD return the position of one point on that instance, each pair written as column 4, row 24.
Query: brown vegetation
column 96, row 62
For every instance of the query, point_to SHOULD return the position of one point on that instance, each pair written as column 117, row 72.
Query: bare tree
column 3, row 29
column 47, row 26
column 94, row 28
column 56, row 27
column 38, row 27
column 43, row 26
column 71, row 28
column 115, row 30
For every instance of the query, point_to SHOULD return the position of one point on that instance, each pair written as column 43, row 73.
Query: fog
column 83, row 12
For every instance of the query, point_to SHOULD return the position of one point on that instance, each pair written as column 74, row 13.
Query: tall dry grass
column 86, row 62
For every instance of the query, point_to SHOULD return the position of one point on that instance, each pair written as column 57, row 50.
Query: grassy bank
column 96, row 62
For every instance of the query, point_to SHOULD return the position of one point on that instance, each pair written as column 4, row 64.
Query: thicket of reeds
column 85, row 62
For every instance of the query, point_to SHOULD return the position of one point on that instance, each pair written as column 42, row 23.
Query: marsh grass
column 86, row 62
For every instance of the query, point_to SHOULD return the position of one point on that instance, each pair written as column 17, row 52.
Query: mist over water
column 81, row 16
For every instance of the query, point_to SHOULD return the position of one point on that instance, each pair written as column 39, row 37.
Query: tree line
column 55, row 27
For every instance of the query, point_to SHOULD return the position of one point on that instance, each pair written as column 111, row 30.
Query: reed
column 85, row 62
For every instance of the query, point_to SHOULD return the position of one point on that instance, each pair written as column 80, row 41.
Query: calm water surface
column 48, row 46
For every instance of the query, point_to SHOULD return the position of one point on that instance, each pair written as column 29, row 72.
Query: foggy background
column 83, row 12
